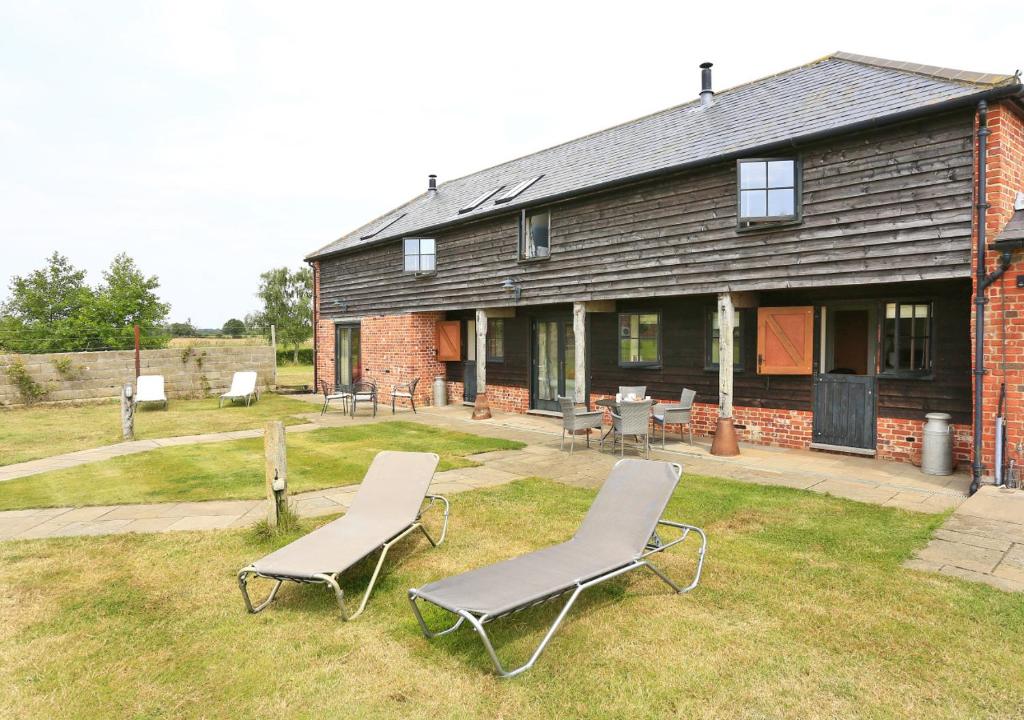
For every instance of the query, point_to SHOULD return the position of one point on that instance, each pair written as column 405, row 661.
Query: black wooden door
column 469, row 366
column 844, row 410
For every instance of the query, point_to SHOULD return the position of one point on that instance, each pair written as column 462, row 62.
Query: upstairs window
column 420, row 255
column 714, row 334
column 535, row 234
column 496, row 340
column 639, row 340
column 769, row 191
column 907, row 339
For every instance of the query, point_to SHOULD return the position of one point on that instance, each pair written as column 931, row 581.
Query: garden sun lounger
column 150, row 388
column 387, row 507
column 618, row 534
column 243, row 387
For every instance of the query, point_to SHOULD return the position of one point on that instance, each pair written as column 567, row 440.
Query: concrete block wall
column 188, row 372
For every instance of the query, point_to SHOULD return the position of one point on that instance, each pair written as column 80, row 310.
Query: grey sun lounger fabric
column 614, row 533
column 617, row 536
column 387, row 502
column 385, row 509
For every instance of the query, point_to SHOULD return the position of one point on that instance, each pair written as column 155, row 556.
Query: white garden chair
column 150, row 388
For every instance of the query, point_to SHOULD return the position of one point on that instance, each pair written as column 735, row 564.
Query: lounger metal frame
column 331, row 579
column 655, row 545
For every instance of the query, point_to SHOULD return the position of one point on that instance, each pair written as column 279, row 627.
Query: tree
column 182, row 329
column 127, row 298
column 287, row 304
column 234, row 328
column 46, row 311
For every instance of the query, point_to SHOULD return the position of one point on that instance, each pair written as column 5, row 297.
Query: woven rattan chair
column 633, row 418
column 637, row 391
column 676, row 415
column 574, row 419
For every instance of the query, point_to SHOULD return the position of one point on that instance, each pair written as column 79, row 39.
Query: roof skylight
column 517, row 190
column 481, row 200
column 380, row 228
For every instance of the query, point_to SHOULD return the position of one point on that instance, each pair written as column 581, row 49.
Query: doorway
column 844, row 402
column 469, row 366
column 554, row 363
column 348, row 366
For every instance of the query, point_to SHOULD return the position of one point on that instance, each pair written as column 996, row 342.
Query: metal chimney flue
column 431, row 184
column 707, row 95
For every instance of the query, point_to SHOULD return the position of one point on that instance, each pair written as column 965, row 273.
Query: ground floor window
column 639, row 339
column 496, row 340
column 714, row 334
column 907, row 338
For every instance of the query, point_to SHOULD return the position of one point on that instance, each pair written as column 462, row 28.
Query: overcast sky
column 212, row 141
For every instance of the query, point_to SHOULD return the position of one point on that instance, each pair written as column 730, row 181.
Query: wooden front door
column 845, row 392
column 554, row 363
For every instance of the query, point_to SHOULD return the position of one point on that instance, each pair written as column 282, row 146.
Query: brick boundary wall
column 188, row 372
column 1004, row 357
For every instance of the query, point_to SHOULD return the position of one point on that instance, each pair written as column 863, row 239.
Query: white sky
column 212, row 140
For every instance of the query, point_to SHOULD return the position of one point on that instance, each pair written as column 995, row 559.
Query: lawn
column 30, row 433
column 295, row 375
column 804, row 611
column 234, row 469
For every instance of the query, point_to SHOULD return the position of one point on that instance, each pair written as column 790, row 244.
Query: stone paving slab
column 983, row 541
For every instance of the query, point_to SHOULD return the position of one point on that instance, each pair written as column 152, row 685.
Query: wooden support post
column 276, row 470
column 725, row 442
column 138, row 362
column 127, row 413
column 481, row 407
column 273, row 337
column 579, row 329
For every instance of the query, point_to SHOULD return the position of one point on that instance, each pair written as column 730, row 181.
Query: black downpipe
column 979, row 297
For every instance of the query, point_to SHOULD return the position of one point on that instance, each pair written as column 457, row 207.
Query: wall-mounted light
column 339, row 305
column 512, row 287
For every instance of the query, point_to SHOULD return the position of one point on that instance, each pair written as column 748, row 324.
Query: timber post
column 481, row 407
column 725, row 442
column 276, row 470
column 127, row 412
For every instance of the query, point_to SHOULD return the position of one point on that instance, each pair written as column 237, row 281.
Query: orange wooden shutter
column 785, row 340
column 449, row 340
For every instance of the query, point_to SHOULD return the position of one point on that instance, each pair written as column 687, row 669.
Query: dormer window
column 420, row 255
column 769, row 191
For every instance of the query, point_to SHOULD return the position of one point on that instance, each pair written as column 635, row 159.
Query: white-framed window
column 420, row 255
column 768, row 190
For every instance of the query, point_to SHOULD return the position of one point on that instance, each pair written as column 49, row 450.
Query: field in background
column 293, row 375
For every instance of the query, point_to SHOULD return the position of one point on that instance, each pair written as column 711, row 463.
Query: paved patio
column 982, row 541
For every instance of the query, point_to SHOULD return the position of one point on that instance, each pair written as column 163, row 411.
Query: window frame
column 901, row 373
column 641, row 364
column 709, row 339
column 491, row 324
column 419, row 255
column 769, row 221
column 521, row 241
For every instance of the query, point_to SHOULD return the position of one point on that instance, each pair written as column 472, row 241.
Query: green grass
column 234, row 469
column 804, row 612
column 31, row 433
column 295, row 375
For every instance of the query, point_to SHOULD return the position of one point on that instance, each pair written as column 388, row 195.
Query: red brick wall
column 900, row 440
column 1004, row 351
column 397, row 348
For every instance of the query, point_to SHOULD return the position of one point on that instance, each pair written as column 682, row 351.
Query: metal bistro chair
column 574, row 419
column 676, row 415
column 335, row 393
column 364, row 391
column 625, row 391
column 632, row 418
column 405, row 391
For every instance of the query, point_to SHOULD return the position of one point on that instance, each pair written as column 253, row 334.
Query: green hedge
column 285, row 357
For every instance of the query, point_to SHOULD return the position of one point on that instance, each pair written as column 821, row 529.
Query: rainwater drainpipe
column 982, row 283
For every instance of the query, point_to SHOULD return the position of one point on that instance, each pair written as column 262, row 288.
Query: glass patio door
column 348, row 366
column 554, row 363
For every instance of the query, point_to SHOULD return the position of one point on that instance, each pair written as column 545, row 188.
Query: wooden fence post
column 127, row 413
column 276, row 470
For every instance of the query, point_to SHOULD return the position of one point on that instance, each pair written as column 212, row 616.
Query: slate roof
column 824, row 96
